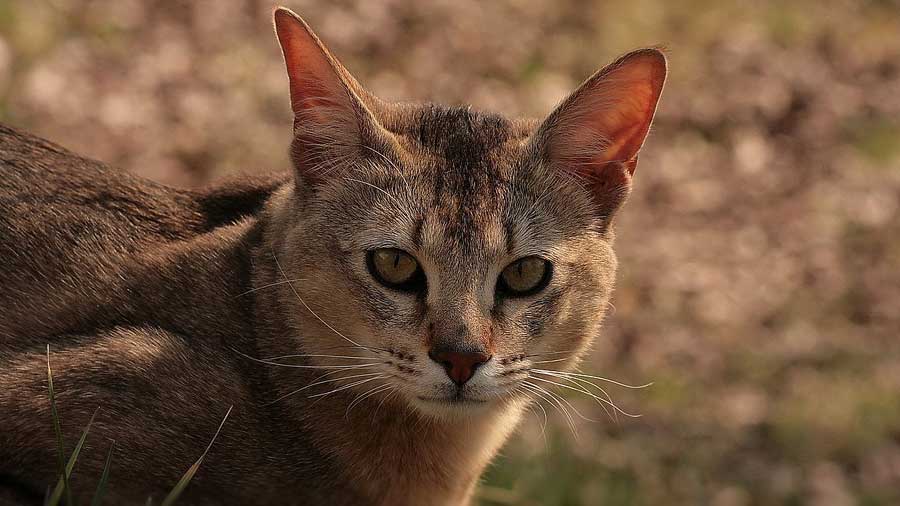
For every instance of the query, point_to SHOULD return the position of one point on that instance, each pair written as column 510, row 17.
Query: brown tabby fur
column 154, row 302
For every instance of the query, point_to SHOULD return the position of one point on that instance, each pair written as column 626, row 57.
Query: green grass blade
column 186, row 478
column 58, row 430
column 60, row 485
column 104, row 478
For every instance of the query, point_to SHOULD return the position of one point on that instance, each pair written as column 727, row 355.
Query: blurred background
column 760, row 252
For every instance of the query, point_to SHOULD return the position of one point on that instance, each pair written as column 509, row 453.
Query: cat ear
column 597, row 131
column 332, row 124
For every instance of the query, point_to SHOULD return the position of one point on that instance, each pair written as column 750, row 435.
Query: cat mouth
column 458, row 399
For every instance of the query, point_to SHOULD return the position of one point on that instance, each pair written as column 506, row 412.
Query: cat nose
column 460, row 365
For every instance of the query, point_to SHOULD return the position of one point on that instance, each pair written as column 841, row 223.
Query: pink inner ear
column 314, row 83
column 627, row 128
column 328, row 118
column 608, row 118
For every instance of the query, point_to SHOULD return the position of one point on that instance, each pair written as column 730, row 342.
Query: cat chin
column 447, row 408
column 453, row 409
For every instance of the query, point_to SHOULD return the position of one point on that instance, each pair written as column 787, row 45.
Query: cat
column 373, row 316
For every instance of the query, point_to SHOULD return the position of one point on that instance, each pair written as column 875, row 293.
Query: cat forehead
column 458, row 135
column 460, row 183
column 465, row 157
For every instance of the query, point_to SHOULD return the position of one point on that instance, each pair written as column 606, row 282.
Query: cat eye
column 395, row 268
column 525, row 276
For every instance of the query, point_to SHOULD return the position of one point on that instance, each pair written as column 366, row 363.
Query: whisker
column 322, row 382
column 345, row 346
column 601, row 378
column 386, row 397
column 563, row 399
column 578, row 379
column 551, row 361
column 612, row 416
column 590, row 394
column 345, row 387
column 297, row 366
column 549, row 353
column 537, row 403
column 392, row 164
column 382, row 190
column 554, row 401
column 514, row 376
column 348, row 357
column 258, row 288
column 331, row 373
column 548, row 396
column 291, row 285
column 361, row 397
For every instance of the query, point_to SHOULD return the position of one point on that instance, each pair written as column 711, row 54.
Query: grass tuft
column 189, row 474
column 104, row 478
column 63, row 489
column 59, row 441
column 61, row 484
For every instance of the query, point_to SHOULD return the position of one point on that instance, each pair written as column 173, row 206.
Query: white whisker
column 551, row 361
column 563, row 399
column 554, row 401
column 384, row 398
column 301, row 355
column 361, row 397
column 537, row 403
column 345, row 387
column 601, row 378
column 297, row 366
column 393, row 165
column 382, row 190
column 258, row 288
column 549, row 353
column 323, row 382
column 291, row 285
column 590, row 394
column 612, row 416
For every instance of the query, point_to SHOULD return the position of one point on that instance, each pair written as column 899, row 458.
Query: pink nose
column 460, row 365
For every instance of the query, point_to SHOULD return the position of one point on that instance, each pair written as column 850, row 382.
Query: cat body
column 141, row 293
column 371, row 319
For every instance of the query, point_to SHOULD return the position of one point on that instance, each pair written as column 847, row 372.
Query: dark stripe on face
column 417, row 232
column 509, row 230
column 465, row 176
column 541, row 311
column 379, row 303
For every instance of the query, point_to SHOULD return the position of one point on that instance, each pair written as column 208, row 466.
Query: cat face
column 446, row 252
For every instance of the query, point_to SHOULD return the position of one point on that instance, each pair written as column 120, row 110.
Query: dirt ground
column 760, row 252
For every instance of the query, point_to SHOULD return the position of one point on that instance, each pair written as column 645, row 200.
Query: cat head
column 446, row 252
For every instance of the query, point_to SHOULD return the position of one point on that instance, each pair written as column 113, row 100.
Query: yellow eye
column 394, row 268
column 525, row 276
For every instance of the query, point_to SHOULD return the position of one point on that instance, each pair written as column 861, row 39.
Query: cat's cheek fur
column 580, row 313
